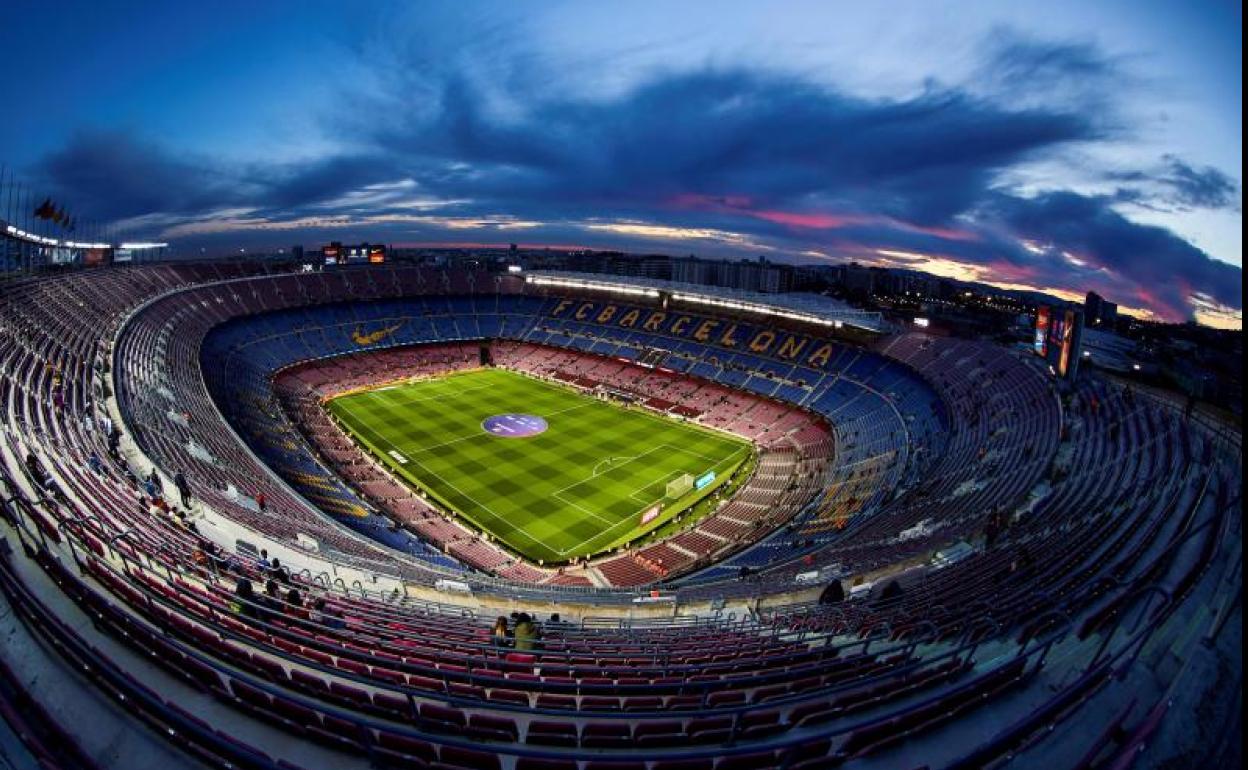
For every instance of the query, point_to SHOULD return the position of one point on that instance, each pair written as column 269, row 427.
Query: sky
column 1059, row 146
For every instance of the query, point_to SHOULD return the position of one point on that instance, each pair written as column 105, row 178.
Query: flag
column 45, row 209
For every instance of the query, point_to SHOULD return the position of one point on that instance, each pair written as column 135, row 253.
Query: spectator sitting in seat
column 245, row 597
column 294, row 604
column 35, row 470
column 834, row 593
column 500, row 634
column 184, row 489
column 892, row 591
column 272, row 599
column 321, row 613
column 278, row 572
column 527, row 634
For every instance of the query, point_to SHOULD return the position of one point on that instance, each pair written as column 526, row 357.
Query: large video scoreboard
column 1058, row 339
column 337, row 254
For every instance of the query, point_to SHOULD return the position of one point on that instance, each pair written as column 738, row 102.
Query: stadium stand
column 1030, row 577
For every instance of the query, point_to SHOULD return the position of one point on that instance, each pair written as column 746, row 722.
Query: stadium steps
column 596, row 578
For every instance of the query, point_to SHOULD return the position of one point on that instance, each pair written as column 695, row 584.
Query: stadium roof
column 798, row 306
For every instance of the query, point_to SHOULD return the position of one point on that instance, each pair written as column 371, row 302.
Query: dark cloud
column 1204, row 187
column 113, row 175
column 780, row 161
column 1175, row 184
column 1030, row 64
column 771, row 137
column 1075, row 75
column 1155, row 267
column 294, row 185
column 116, row 176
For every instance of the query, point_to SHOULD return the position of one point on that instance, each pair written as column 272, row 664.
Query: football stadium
column 875, row 477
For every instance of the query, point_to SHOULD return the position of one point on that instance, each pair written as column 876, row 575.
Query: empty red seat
column 546, row 733
column 492, row 728
column 455, row 758
column 394, row 705
column 599, row 703
column 658, row 734
column 764, row 694
column 259, row 704
column 309, row 682
column 389, row 675
column 552, row 701
column 809, row 756
column 543, row 763
column 684, row 764
column 709, row 729
column 353, row 666
column 442, row 718
column 609, row 764
column 203, row 675
column 295, row 712
column 728, row 698
column 404, row 747
column 810, row 714
column 606, row 735
column 458, row 689
column 352, row 695
column 339, row 733
column 761, row 724
column 763, row 760
column 648, row 703
column 424, row 683
column 684, row 702
column 512, row 696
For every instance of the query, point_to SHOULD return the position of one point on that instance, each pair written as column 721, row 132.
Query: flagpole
column 8, row 212
column 5, row 241
column 3, row 169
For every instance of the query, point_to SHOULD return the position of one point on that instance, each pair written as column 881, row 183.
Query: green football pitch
column 576, row 488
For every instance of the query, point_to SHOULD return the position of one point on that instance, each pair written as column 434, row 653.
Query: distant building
column 693, row 270
column 857, row 278
column 760, row 275
column 1098, row 312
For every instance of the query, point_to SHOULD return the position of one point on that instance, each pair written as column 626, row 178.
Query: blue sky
column 1054, row 145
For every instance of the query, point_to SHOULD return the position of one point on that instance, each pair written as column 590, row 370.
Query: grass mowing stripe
column 575, row 489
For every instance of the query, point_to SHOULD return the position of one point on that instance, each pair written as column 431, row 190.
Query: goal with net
column 679, row 485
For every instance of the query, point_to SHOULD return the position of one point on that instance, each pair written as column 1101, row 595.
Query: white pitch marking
column 626, row 520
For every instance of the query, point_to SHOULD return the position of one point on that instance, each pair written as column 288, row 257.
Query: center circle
column 514, row 425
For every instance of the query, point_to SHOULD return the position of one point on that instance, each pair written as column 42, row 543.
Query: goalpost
column 679, row 485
